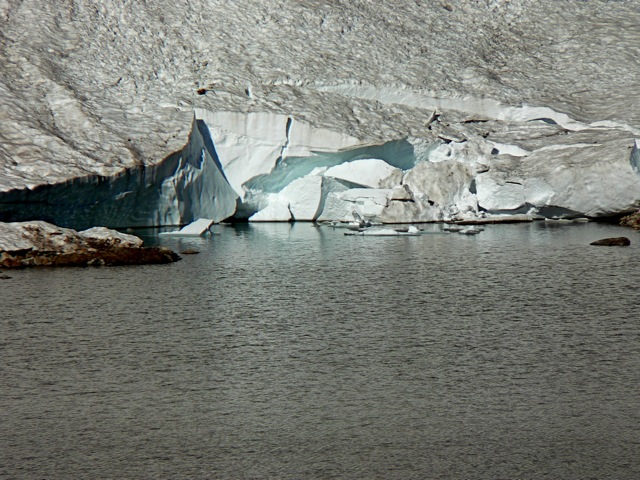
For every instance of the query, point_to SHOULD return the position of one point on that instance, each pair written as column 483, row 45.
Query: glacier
column 130, row 114
column 271, row 167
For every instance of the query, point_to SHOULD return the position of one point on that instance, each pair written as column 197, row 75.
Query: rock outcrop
column 41, row 244
column 632, row 220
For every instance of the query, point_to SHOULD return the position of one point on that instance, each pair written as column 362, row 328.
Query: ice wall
column 283, row 168
column 186, row 185
column 264, row 166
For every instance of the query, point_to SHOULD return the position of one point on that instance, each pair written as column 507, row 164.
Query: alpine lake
column 290, row 351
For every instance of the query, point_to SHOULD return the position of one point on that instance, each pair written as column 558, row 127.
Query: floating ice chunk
column 373, row 173
column 195, row 229
column 411, row 231
column 558, row 220
column 199, row 227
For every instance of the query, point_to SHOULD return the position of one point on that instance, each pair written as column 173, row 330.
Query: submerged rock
column 38, row 243
column 613, row 242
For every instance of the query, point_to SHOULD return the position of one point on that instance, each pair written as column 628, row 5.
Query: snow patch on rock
column 45, row 237
column 107, row 236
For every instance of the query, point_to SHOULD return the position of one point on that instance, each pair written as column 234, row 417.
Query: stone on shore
column 632, row 220
column 38, row 243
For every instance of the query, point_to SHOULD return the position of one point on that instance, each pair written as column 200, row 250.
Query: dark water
column 296, row 352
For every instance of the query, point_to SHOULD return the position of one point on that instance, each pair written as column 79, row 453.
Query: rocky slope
column 132, row 113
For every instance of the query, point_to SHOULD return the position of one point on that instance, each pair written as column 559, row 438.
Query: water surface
column 289, row 351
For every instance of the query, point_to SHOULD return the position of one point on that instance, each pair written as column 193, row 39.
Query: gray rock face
column 157, row 113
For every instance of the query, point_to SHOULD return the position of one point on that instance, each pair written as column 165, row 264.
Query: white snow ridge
column 162, row 113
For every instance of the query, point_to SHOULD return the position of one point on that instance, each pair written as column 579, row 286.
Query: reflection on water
column 289, row 351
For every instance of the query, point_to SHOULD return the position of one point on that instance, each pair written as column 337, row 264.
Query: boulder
column 37, row 243
column 613, row 242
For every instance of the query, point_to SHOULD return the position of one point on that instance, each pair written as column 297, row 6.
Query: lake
column 295, row 352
